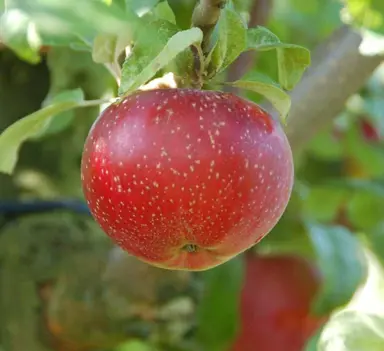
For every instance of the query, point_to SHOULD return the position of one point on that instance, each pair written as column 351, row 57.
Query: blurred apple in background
column 276, row 304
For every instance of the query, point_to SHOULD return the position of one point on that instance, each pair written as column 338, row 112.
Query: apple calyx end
column 190, row 248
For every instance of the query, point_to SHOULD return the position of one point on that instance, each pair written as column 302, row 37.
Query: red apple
column 369, row 131
column 353, row 166
column 275, row 304
column 186, row 179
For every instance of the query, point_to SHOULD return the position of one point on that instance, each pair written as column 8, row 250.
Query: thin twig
column 198, row 66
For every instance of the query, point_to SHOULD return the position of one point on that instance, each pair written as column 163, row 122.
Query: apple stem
column 198, row 66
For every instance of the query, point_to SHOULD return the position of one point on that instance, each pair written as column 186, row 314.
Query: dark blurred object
column 115, row 297
column 20, row 82
column 15, row 208
column 23, row 87
column 65, row 287
column 32, row 249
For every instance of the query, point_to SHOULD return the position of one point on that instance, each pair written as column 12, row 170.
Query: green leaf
column 141, row 7
column 134, row 345
column 66, row 18
column 376, row 239
column 289, row 236
column 107, row 48
column 184, row 11
column 218, row 313
column 368, row 14
column 70, row 40
column 164, row 11
column 30, row 127
column 232, row 39
column 25, row 36
column 292, row 60
column 266, row 87
column 104, row 47
column 369, row 155
column 241, row 5
column 323, row 203
column 365, row 209
column 352, row 330
column 64, row 119
column 365, row 202
column 75, row 95
column 341, row 262
column 139, row 69
column 325, row 146
column 261, row 39
column 19, row 33
column 145, row 50
column 121, row 3
column 360, row 185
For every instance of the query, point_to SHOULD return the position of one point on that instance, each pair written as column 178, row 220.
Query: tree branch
column 338, row 71
column 205, row 16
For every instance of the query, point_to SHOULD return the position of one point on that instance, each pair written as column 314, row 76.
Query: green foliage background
column 336, row 213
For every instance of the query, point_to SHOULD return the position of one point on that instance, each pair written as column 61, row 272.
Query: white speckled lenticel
column 186, row 179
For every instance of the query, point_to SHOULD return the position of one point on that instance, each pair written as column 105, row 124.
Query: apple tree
column 191, row 175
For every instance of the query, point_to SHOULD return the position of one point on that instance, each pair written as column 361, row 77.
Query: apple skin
column 186, row 179
column 275, row 304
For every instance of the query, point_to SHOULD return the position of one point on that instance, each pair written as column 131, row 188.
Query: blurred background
column 316, row 282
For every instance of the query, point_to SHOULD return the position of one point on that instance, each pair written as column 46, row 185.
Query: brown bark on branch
column 338, row 71
column 205, row 16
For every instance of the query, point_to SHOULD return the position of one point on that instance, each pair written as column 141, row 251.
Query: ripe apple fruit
column 184, row 178
column 276, row 303
column 369, row 131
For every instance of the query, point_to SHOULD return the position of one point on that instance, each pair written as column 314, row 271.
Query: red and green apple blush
column 186, row 179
